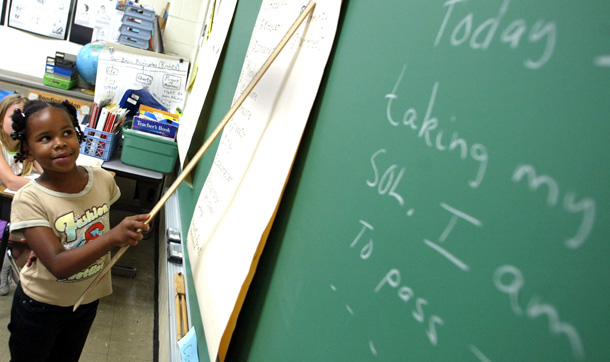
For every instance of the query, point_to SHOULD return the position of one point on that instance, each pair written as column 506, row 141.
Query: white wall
column 184, row 26
column 26, row 53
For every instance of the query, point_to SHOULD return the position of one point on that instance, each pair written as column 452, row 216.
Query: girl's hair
column 5, row 104
column 20, row 120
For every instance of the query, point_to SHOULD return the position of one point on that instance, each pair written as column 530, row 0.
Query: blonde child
column 12, row 173
column 64, row 216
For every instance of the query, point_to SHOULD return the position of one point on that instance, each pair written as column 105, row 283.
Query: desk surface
column 3, row 192
column 115, row 164
column 148, row 183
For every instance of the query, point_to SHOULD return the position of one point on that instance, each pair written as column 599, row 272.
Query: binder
column 67, row 59
column 67, row 69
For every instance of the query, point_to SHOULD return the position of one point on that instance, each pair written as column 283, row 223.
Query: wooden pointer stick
column 181, row 293
column 181, row 317
column 179, row 333
column 189, row 167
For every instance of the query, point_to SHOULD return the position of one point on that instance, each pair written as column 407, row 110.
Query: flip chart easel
column 189, row 167
column 122, row 68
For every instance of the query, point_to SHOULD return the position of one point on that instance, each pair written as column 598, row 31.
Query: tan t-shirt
column 76, row 219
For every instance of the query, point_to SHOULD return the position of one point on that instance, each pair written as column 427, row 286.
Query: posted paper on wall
column 207, row 60
column 48, row 18
column 121, row 68
column 100, row 15
column 255, row 154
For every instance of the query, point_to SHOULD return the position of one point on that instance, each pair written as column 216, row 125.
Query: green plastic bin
column 148, row 151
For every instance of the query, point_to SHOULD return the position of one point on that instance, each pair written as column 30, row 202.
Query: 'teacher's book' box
column 162, row 127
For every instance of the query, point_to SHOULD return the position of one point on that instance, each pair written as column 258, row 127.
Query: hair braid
column 19, row 132
column 69, row 107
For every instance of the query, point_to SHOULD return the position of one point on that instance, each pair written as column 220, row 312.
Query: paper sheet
column 121, row 68
column 34, row 175
column 207, row 60
column 100, row 15
column 48, row 18
column 188, row 347
column 253, row 160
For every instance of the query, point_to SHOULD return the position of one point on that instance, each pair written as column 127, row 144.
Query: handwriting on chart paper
column 243, row 133
column 387, row 178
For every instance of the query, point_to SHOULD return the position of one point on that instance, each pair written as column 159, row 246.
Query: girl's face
column 7, row 122
column 52, row 140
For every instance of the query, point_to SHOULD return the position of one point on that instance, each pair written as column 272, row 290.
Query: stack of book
column 156, row 122
column 106, row 117
column 60, row 71
column 103, row 130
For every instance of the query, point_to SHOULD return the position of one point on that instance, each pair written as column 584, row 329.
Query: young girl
column 12, row 174
column 63, row 215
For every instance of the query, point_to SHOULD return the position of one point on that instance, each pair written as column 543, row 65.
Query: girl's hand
column 13, row 238
column 31, row 258
column 64, row 263
column 129, row 231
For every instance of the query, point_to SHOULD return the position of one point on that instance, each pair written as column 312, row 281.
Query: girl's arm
column 8, row 177
column 37, row 167
column 65, row 263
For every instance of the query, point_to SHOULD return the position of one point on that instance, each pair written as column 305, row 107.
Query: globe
column 86, row 60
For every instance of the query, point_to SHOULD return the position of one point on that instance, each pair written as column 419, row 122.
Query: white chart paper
column 121, row 68
column 207, row 60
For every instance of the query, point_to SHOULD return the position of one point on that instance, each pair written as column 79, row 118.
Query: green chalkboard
column 450, row 200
